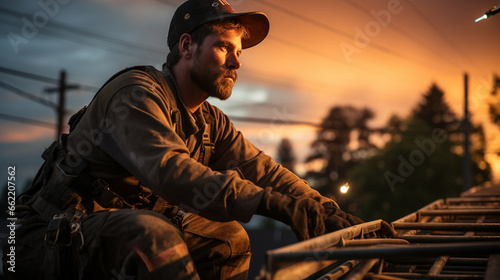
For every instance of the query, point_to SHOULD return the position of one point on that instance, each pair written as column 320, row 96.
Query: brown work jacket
column 136, row 132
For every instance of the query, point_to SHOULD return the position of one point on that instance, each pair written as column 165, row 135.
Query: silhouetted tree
column 422, row 162
column 333, row 155
column 435, row 112
column 286, row 156
column 480, row 168
column 494, row 104
column 407, row 174
column 395, row 125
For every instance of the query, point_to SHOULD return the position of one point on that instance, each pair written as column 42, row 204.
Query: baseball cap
column 194, row 13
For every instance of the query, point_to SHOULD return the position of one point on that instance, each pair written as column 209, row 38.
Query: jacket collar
column 190, row 124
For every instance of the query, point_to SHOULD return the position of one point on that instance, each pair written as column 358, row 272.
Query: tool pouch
column 61, row 260
column 172, row 212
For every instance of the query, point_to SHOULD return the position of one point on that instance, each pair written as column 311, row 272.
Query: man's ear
column 186, row 46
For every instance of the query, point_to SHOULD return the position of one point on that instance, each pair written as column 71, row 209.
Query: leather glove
column 303, row 214
column 386, row 231
column 336, row 219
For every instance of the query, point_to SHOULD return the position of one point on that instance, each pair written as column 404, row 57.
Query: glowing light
column 344, row 188
column 493, row 11
column 482, row 17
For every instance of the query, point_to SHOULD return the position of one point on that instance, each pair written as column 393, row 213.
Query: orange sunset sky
column 380, row 54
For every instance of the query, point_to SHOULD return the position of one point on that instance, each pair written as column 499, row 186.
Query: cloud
column 20, row 133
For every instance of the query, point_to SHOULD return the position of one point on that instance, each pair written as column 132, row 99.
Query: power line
column 262, row 120
column 27, row 121
column 316, row 53
column 28, row 95
column 441, row 34
column 329, row 28
column 304, row 49
column 78, row 40
column 306, row 19
column 380, row 130
column 402, row 32
column 395, row 27
column 41, row 78
column 28, row 75
column 87, row 33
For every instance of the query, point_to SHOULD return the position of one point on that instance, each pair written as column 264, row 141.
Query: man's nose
column 233, row 62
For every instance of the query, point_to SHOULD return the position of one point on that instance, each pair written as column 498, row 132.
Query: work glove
column 386, row 231
column 303, row 214
column 336, row 219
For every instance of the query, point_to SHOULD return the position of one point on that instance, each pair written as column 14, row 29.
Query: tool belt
column 60, row 186
column 63, row 195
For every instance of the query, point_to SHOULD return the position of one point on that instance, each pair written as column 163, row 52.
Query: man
column 151, row 179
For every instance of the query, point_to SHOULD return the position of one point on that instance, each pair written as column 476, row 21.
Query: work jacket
column 137, row 133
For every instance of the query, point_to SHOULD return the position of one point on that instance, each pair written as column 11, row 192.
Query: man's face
column 215, row 63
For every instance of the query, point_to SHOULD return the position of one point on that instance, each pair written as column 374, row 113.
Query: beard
column 214, row 80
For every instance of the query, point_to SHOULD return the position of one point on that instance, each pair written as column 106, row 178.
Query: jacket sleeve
column 141, row 137
column 234, row 152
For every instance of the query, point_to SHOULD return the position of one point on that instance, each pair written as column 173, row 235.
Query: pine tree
column 494, row 105
column 332, row 155
column 435, row 112
column 286, row 156
column 407, row 174
column 421, row 163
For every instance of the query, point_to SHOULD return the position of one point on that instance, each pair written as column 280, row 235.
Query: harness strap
column 161, row 205
column 45, row 209
column 208, row 147
column 71, row 186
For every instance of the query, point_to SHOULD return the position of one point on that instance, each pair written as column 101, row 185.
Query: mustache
column 230, row 73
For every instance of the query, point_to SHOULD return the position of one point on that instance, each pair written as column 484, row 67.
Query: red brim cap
column 194, row 13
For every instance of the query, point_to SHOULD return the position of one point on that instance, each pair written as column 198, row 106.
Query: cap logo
column 223, row 5
column 187, row 16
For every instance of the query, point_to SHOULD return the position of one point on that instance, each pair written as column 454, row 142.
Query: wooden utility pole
column 466, row 127
column 61, row 111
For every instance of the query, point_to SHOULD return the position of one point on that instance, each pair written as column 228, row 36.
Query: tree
column 395, row 125
column 435, row 112
column 422, row 162
column 333, row 153
column 494, row 105
column 407, row 174
column 480, row 168
column 286, row 155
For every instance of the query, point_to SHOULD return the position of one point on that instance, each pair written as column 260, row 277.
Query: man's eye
column 228, row 49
